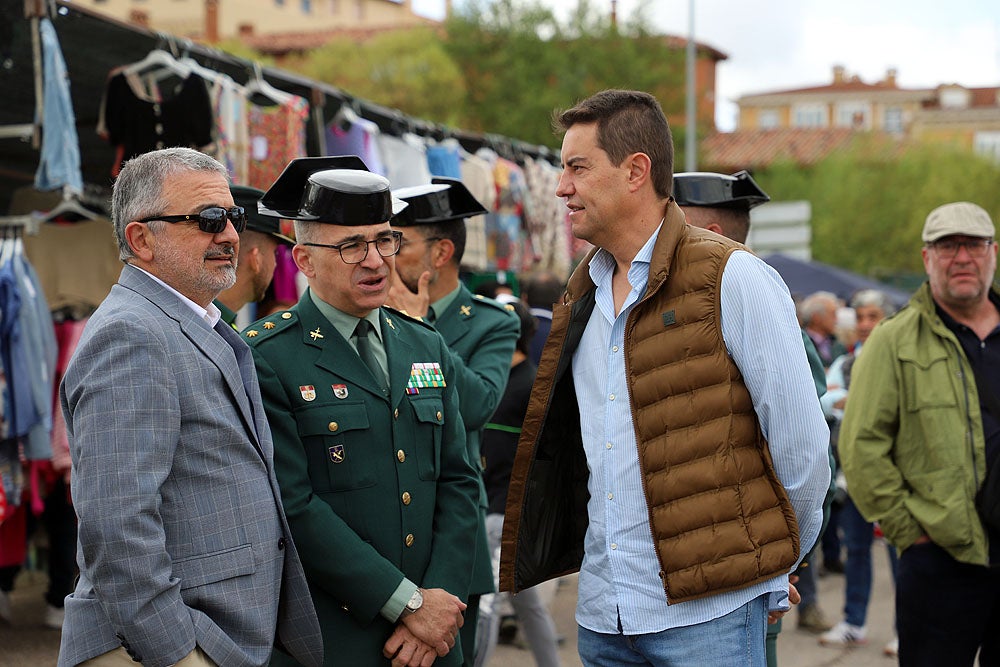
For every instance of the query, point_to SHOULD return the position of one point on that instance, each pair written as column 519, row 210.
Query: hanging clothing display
column 443, row 158
column 405, row 159
column 545, row 218
column 477, row 176
column 360, row 138
column 277, row 136
column 140, row 121
column 59, row 165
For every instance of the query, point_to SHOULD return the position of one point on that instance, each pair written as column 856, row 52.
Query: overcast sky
column 781, row 44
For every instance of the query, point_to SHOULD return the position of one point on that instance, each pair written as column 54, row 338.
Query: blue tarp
column 805, row 277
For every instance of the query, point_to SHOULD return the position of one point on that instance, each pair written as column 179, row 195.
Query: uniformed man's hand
column 405, row 650
column 401, row 298
column 438, row 619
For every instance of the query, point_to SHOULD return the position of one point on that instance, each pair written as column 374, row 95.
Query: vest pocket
column 333, row 437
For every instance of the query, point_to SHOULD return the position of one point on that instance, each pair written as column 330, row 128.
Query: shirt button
column 409, row 540
column 614, row 546
column 614, row 348
column 401, row 455
column 395, row 413
column 333, row 426
column 611, row 496
column 286, row 316
column 607, row 445
column 281, row 544
column 406, row 497
column 611, row 397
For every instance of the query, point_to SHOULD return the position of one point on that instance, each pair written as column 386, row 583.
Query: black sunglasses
column 211, row 221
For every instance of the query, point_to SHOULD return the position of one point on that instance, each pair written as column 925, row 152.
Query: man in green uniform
column 480, row 332
column 369, row 442
column 255, row 265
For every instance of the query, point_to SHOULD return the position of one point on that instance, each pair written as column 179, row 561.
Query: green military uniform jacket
column 482, row 335
column 228, row 315
column 375, row 488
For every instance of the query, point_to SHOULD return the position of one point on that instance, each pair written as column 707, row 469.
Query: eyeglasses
column 355, row 252
column 428, row 239
column 212, row 220
column 948, row 248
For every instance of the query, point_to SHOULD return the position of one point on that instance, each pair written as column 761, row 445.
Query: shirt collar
column 210, row 315
column 442, row 304
column 603, row 263
column 344, row 324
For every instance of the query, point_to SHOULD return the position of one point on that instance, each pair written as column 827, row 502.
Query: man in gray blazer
column 184, row 552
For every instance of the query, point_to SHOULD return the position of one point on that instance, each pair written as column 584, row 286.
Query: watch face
column 416, row 601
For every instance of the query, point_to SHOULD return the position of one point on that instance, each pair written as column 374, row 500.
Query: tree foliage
column 407, row 70
column 521, row 63
column 869, row 203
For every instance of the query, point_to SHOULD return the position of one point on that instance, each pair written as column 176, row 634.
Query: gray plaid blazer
column 182, row 538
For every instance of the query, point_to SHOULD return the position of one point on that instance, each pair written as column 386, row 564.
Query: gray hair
column 306, row 231
column 873, row 297
column 138, row 190
column 816, row 303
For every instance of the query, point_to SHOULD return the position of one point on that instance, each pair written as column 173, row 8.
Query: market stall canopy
column 805, row 277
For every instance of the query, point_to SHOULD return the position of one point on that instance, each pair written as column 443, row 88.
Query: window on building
column 279, row 3
column 987, row 144
column 306, row 6
column 768, row 119
column 954, row 98
column 893, row 121
column 855, row 115
column 809, row 115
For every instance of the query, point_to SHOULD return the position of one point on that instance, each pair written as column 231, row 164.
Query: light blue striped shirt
column 620, row 568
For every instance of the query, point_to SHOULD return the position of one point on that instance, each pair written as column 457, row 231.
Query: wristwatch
column 415, row 603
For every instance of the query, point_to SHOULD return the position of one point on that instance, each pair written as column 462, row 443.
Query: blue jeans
column 859, row 536
column 736, row 640
column 946, row 610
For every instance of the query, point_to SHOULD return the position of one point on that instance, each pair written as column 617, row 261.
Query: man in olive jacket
column 919, row 434
column 369, row 443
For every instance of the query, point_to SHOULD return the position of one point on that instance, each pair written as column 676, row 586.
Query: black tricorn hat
column 335, row 190
column 702, row 188
column 248, row 197
column 441, row 200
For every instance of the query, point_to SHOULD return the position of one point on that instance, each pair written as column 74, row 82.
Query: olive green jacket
column 911, row 443
column 374, row 488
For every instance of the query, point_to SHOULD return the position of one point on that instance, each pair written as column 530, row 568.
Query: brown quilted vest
column 720, row 518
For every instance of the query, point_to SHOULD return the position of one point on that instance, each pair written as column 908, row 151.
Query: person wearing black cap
column 721, row 204
column 369, row 446
column 255, row 265
column 717, row 202
column 481, row 333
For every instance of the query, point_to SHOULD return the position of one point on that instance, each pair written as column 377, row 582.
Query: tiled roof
column 307, row 40
column 750, row 149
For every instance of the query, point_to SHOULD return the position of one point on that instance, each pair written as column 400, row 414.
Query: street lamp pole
column 691, row 136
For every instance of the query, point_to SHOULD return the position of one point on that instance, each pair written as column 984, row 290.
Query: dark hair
column 628, row 121
column 453, row 230
column 542, row 289
column 529, row 325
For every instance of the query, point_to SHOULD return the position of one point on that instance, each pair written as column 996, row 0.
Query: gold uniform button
column 286, row 316
column 409, row 540
column 333, row 426
column 395, row 413
column 401, row 455
column 406, row 497
column 439, row 415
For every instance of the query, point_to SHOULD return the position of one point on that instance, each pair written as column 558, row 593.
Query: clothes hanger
column 159, row 59
column 69, row 209
column 259, row 86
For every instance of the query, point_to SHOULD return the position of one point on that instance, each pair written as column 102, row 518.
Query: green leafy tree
column 521, row 63
column 407, row 70
column 869, row 202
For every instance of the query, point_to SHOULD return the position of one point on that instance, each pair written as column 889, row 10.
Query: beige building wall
column 187, row 18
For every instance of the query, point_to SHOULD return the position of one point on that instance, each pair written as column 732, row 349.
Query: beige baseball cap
column 958, row 218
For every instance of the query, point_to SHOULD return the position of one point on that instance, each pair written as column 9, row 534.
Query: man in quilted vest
column 673, row 450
